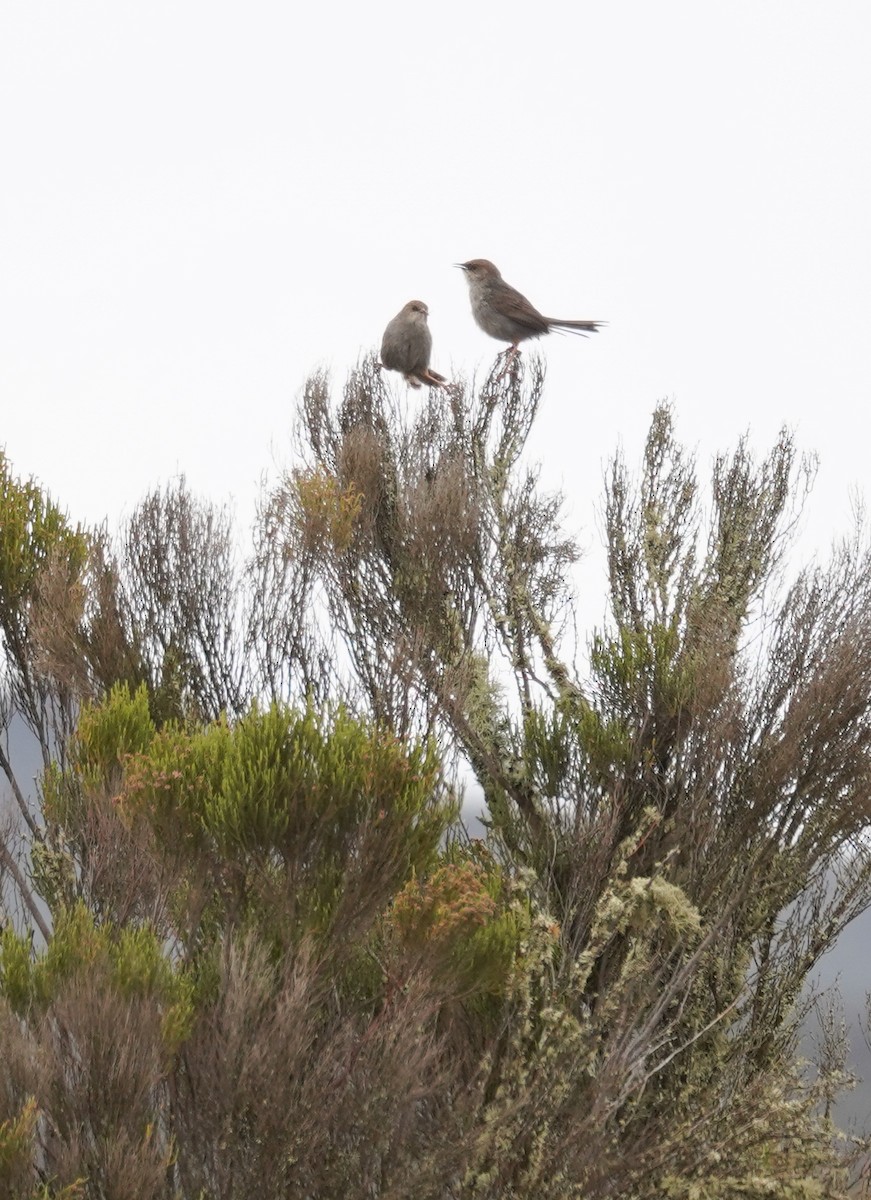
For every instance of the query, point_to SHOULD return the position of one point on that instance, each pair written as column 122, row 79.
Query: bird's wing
column 516, row 307
column 405, row 347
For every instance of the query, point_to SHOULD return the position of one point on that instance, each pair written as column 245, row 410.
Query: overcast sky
column 201, row 202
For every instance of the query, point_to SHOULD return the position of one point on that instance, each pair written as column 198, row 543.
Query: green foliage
column 283, row 775
column 109, row 732
column 640, row 664
column 132, row 960
column 548, row 1051
column 15, row 968
column 70, row 1191
column 107, row 735
column 464, row 920
column 277, row 800
column 567, row 750
column 16, row 1137
column 138, row 966
column 33, row 531
column 77, row 945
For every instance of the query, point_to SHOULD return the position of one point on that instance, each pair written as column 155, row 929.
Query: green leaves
column 132, row 961
column 279, row 803
column 33, row 529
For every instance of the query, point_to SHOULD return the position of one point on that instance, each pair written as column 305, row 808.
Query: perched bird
column 504, row 313
column 407, row 344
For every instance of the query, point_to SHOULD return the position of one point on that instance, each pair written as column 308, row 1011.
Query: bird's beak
column 462, row 266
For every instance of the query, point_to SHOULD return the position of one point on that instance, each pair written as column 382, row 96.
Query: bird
column 406, row 346
column 505, row 314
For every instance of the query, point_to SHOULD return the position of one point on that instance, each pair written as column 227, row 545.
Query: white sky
column 201, row 202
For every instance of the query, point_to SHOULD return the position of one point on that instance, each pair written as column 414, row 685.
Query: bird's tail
column 429, row 377
column 581, row 327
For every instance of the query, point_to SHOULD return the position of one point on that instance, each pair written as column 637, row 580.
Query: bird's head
column 479, row 268
column 417, row 310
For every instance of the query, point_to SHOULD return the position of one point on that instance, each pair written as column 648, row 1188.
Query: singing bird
column 504, row 313
column 407, row 344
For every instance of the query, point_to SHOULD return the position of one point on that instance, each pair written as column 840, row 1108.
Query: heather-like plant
column 250, row 949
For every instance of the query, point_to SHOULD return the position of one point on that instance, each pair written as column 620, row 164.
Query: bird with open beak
column 505, row 314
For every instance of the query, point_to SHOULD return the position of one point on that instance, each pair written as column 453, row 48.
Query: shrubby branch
column 249, row 948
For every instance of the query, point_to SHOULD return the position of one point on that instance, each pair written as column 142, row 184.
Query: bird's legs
column 510, row 361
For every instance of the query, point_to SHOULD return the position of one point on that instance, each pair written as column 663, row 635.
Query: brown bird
column 504, row 313
column 407, row 344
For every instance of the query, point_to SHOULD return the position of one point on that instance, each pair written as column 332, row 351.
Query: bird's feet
column 512, row 355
